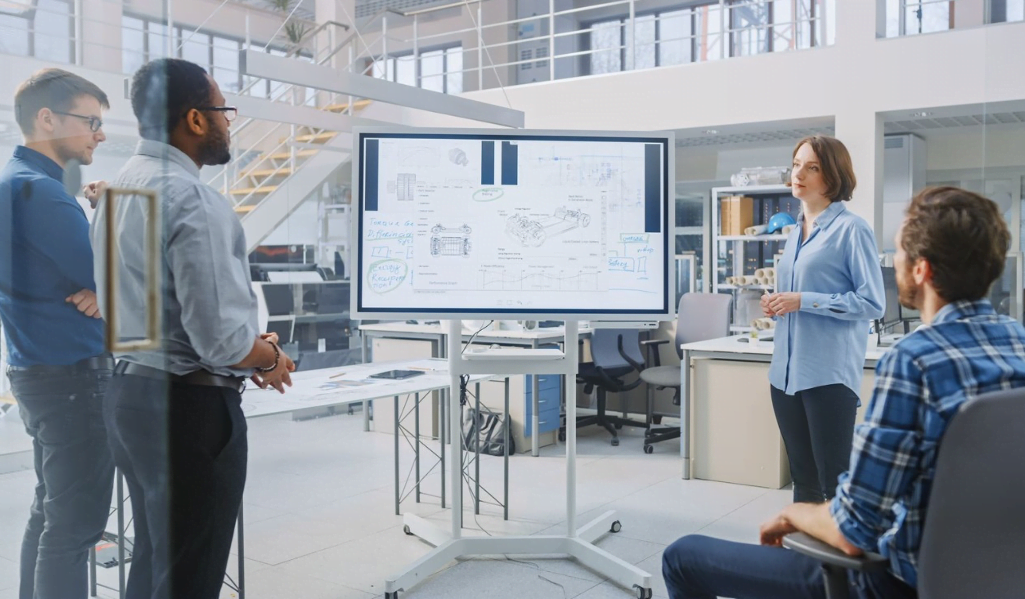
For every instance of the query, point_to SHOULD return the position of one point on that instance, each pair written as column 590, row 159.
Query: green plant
column 294, row 31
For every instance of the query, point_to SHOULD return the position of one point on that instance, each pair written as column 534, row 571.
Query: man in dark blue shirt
column 57, row 366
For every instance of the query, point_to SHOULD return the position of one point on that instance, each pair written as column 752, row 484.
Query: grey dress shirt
column 209, row 311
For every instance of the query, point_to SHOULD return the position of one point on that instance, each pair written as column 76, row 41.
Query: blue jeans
column 699, row 567
column 62, row 408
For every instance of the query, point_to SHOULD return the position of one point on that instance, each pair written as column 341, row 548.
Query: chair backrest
column 605, row 348
column 702, row 316
column 973, row 544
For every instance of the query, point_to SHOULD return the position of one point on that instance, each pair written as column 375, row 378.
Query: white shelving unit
column 731, row 247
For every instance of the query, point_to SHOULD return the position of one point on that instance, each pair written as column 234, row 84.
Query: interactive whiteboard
column 523, row 224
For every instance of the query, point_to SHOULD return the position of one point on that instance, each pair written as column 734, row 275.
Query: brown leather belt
column 199, row 377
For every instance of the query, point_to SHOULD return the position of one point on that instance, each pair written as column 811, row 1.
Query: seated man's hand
column 773, row 531
column 85, row 302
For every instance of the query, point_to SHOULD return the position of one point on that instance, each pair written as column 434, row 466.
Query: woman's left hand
column 785, row 303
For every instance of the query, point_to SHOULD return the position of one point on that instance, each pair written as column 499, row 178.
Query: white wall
column 851, row 82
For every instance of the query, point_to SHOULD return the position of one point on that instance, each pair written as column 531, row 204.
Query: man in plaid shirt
column 950, row 249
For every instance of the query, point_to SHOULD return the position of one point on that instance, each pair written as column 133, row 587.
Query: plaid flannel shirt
column 921, row 383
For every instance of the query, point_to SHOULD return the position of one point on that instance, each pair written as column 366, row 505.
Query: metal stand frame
column 576, row 543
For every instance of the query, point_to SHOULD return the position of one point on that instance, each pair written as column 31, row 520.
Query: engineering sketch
column 450, row 241
column 532, row 232
column 458, row 156
column 406, row 186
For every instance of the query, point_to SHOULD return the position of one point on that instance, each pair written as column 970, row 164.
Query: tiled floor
column 320, row 521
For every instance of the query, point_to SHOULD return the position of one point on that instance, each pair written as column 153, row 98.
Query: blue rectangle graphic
column 509, row 155
column 652, row 188
column 370, row 176
column 487, row 163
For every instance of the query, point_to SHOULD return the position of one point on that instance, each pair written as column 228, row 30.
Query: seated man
column 950, row 249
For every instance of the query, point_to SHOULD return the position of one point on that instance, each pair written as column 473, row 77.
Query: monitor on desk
column 280, row 301
column 892, row 314
column 513, row 225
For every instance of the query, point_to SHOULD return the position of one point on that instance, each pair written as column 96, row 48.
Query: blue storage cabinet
column 549, row 403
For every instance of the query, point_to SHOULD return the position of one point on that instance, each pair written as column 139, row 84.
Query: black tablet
column 396, row 374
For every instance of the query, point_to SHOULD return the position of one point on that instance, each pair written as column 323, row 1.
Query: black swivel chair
column 973, row 543
column 615, row 352
column 699, row 317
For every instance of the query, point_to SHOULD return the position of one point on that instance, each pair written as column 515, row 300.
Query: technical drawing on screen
column 493, row 222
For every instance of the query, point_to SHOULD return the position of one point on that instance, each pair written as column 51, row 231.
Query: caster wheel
column 642, row 593
column 649, row 449
column 615, row 442
column 619, row 427
column 406, row 530
column 562, row 436
column 616, row 526
column 395, row 595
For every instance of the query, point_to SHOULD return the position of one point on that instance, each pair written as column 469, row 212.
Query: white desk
column 435, row 333
column 737, row 375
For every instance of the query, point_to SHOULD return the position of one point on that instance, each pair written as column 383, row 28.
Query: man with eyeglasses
column 56, row 361
column 175, row 417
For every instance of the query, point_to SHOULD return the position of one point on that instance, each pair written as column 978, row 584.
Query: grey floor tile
column 498, row 579
column 363, row 564
column 272, row 583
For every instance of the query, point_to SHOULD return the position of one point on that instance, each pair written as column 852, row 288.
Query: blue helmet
column 778, row 221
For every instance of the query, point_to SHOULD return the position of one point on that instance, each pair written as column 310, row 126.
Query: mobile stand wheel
column 395, row 595
column 642, row 593
column 616, row 526
column 649, row 449
column 405, row 529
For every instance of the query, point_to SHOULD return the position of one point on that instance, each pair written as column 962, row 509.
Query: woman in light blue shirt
column 829, row 287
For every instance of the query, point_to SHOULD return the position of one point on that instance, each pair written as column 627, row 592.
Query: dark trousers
column 698, row 567
column 817, row 426
column 62, row 408
column 183, row 452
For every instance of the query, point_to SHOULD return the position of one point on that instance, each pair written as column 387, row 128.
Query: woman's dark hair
column 837, row 167
column 163, row 91
column 963, row 237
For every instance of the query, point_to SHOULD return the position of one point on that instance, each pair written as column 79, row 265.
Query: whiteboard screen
column 528, row 223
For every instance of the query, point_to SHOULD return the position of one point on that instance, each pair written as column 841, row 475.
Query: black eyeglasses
column 95, row 124
column 230, row 112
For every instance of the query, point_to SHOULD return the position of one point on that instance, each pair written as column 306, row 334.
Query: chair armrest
column 652, row 345
column 812, row 547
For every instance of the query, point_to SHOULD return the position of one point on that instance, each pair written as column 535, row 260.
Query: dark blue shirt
column 45, row 256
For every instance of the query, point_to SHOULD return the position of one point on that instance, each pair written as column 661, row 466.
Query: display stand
column 576, row 543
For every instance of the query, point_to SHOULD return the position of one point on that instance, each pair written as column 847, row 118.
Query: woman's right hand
column 766, row 310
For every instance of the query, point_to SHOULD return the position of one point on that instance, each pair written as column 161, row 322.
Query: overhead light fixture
column 923, row 113
column 711, row 132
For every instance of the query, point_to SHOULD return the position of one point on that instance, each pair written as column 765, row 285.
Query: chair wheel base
column 649, row 449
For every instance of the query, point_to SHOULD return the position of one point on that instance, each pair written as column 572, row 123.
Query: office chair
column 615, row 354
column 974, row 535
column 699, row 317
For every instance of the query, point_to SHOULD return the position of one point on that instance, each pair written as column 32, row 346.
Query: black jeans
column 62, row 408
column 818, row 427
column 183, row 451
column 699, row 567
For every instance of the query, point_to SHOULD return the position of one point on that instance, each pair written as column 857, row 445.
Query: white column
column 969, row 13
column 861, row 131
column 101, row 35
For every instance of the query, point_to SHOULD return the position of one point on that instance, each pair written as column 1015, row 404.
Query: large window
column 43, row 28
column 144, row 40
column 440, row 70
column 707, row 32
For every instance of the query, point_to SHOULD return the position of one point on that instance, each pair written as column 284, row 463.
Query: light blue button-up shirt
column 209, row 315
column 837, row 273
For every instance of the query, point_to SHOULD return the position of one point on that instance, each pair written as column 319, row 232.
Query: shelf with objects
column 750, row 225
